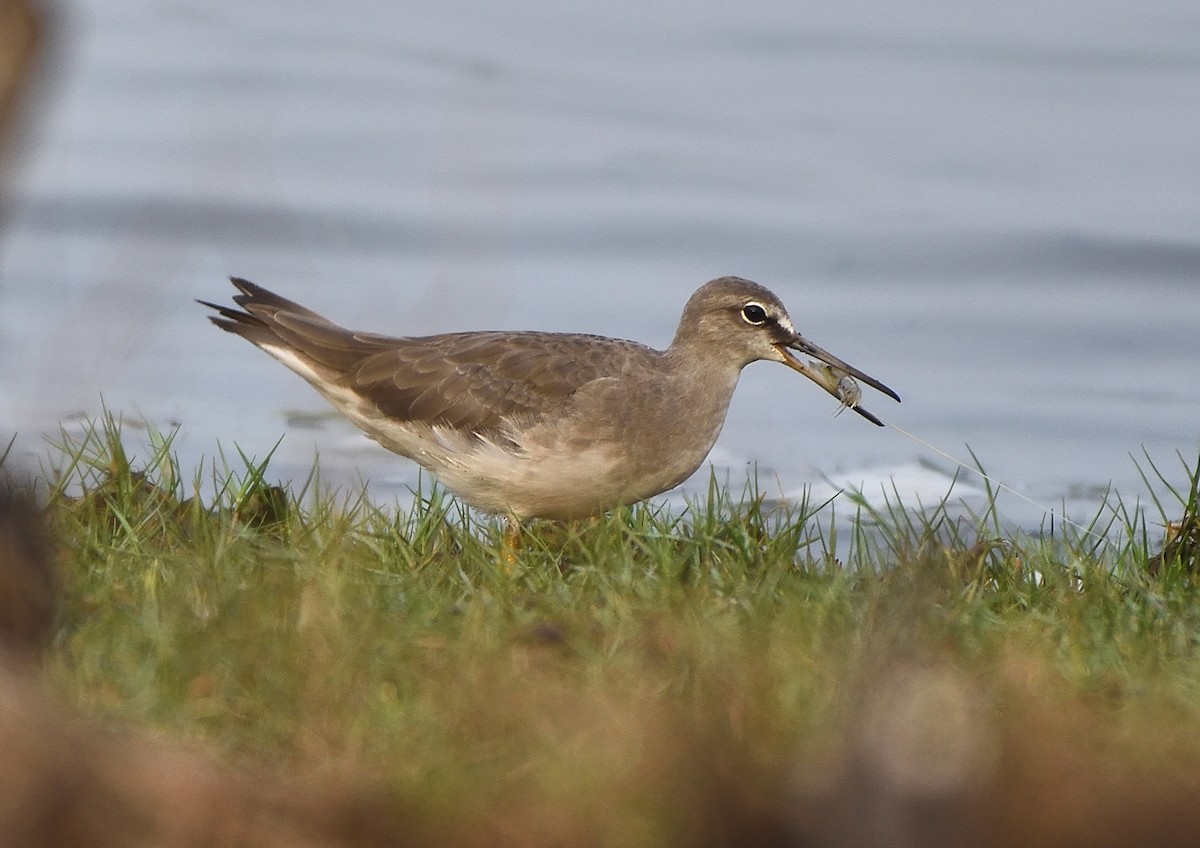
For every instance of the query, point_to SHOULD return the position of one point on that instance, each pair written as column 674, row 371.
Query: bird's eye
column 752, row 313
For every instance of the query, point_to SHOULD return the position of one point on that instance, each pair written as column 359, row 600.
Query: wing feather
column 475, row 381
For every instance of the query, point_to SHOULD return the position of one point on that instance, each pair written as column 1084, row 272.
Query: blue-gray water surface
column 994, row 208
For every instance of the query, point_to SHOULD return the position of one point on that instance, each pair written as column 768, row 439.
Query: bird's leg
column 510, row 543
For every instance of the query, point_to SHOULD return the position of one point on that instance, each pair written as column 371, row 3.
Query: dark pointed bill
column 831, row 376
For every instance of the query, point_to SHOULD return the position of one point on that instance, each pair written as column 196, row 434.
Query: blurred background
column 994, row 208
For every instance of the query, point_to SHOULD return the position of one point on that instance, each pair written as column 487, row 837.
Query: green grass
column 304, row 630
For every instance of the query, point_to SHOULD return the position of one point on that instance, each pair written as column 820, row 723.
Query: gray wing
column 466, row 380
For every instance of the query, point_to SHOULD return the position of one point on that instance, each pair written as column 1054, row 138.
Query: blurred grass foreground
column 205, row 659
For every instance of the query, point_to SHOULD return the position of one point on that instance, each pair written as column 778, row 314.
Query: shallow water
column 996, row 211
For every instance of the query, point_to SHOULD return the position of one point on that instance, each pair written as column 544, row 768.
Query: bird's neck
column 709, row 379
column 690, row 352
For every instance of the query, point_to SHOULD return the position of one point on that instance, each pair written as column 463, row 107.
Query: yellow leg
column 510, row 544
